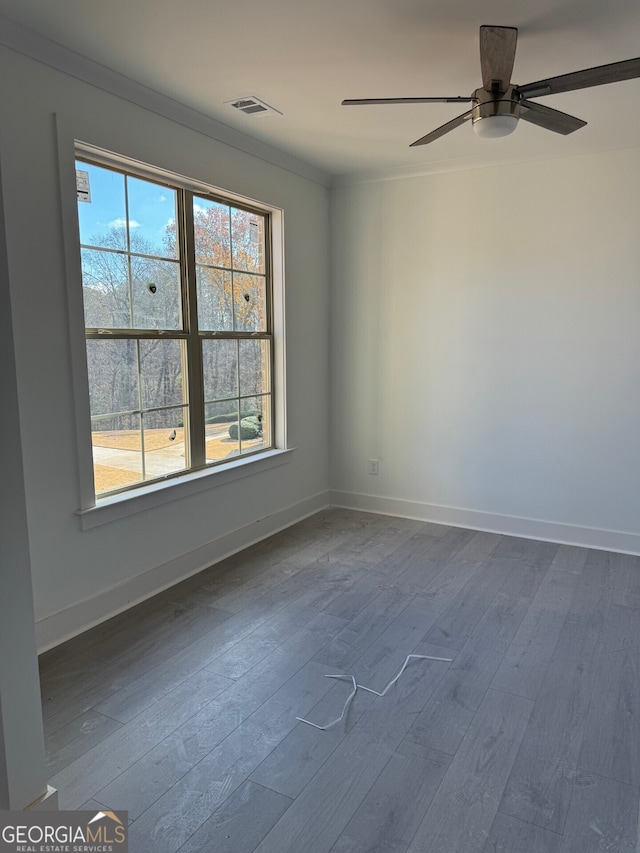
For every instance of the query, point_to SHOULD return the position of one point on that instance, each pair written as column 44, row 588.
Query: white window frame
column 94, row 511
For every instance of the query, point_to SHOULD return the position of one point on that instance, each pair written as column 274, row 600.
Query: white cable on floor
column 404, row 666
column 368, row 689
column 344, row 710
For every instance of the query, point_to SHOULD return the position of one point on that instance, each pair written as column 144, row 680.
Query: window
column 178, row 320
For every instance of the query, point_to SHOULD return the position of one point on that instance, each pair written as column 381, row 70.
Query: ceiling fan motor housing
column 493, row 115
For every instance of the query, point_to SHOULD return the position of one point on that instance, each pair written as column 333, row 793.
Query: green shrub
column 250, row 427
column 252, row 413
column 222, row 419
column 231, row 416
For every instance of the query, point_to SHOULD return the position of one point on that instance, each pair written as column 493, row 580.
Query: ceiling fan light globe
column 494, row 126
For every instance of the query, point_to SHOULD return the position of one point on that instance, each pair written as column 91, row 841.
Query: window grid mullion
column 194, row 347
column 105, row 416
column 235, row 336
column 134, row 334
column 141, row 416
column 110, row 251
column 233, row 276
column 268, row 269
column 239, row 395
column 128, row 243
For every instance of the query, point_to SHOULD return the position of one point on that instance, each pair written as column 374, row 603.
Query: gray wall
column 22, row 755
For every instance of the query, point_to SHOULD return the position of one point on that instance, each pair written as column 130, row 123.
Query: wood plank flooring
column 183, row 710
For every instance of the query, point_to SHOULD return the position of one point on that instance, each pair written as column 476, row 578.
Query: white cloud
column 162, row 198
column 121, row 223
column 198, row 209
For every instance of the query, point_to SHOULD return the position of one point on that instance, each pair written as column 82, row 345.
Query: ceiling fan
column 498, row 103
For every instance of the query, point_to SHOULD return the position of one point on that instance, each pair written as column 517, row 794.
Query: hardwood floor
column 183, row 710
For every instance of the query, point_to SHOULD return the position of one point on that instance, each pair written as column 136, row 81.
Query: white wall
column 486, row 347
column 75, row 572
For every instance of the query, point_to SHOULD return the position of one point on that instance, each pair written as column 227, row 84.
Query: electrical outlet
column 373, row 466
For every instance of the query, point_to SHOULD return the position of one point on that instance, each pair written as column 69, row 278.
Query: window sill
column 157, row 494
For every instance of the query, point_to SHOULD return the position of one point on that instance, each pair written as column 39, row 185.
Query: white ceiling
column 304, row 57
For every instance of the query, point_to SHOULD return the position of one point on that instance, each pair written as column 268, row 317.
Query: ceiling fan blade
column 549, row 119
column 440, row 131
column 628, row 69
column 497, row 55
column 352, row 102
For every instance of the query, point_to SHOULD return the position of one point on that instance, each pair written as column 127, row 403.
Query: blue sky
column 151, row 206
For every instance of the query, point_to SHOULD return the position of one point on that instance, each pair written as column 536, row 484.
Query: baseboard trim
column 531, row 528
column 58, row 627
column 47, row 802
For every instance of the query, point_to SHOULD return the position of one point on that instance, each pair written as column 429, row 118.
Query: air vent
column 252, row 106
